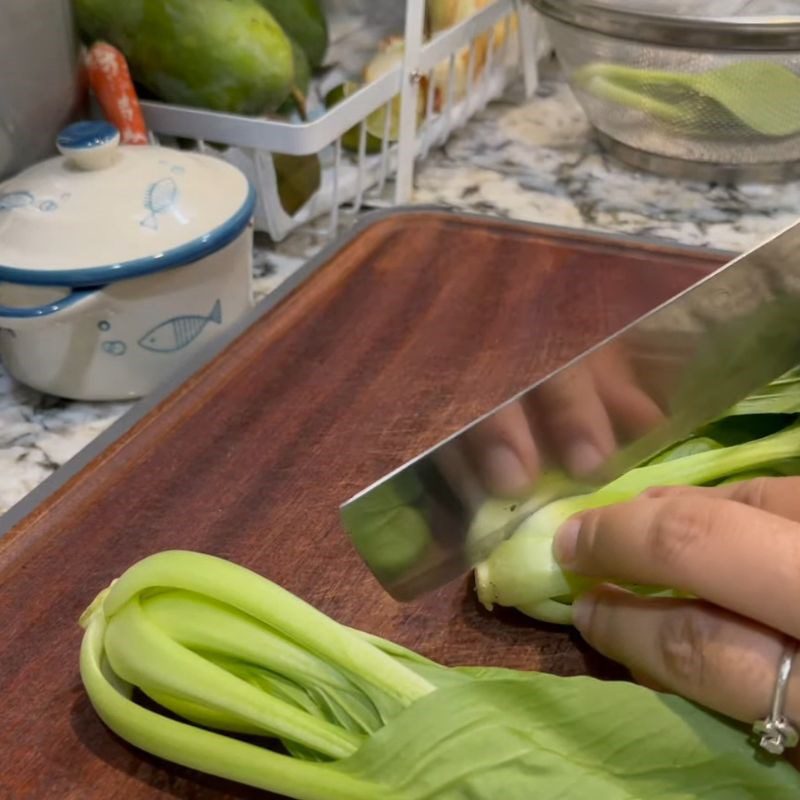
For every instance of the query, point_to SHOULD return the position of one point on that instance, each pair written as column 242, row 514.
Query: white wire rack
column 434, row 89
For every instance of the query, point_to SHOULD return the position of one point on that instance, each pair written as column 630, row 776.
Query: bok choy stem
column 201, row 749
column 477, row 734
column 522, row 571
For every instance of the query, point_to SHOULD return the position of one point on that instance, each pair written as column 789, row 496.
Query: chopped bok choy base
column 760, row 436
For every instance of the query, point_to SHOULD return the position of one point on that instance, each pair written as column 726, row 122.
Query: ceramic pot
column 118, row 263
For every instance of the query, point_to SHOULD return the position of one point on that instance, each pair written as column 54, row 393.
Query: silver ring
column 776, row 732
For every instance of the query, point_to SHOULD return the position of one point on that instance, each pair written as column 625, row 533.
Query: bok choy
column 760, row 436
column 213, row 667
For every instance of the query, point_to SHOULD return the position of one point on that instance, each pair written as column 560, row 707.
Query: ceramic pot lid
column 102, row 211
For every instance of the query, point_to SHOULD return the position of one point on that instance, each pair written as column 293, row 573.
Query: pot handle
column 76, row 301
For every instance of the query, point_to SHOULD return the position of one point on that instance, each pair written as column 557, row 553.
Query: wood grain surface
column 412, row 328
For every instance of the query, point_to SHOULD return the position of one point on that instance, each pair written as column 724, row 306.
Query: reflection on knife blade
column 614, row 407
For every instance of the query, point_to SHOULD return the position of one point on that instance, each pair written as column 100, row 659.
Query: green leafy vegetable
column 780, row 397
column 760, row 436
column 749, row 95
column 362, row 718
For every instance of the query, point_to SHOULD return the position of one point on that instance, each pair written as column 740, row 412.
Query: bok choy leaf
column 331, row 713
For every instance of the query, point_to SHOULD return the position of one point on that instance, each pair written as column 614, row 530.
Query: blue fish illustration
column 178, row 332
column 159, row 198
column 11, row 200
column 115, row 348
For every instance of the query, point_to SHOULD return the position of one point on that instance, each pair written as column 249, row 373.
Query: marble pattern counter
column 529, row 160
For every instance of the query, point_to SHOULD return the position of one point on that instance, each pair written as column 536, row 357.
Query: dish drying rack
column 452, row 77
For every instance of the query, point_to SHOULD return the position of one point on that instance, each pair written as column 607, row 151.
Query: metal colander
column 709, row 93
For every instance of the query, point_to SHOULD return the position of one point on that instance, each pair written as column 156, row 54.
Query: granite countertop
column 529, row 160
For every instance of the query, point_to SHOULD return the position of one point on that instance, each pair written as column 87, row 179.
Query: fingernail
column 565, row 544
column 583, row 457
column 582, row 610
column 504, row 471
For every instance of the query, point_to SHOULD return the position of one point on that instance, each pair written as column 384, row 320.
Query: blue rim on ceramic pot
column 176, row 257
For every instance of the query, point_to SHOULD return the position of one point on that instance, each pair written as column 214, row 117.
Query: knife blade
column 674, row 369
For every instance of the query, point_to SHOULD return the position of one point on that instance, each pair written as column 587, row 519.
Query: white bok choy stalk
column 759, row 436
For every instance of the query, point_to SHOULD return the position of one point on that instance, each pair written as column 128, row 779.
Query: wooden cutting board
column 416, row 324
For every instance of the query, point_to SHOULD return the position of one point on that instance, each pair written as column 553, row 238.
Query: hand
column 736, row 549
column 576, row 421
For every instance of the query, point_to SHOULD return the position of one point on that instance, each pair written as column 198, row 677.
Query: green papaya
column 305, row 22
column 223, row 55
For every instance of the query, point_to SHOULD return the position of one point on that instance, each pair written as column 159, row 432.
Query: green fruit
column 375, row 122
column 304, row 21
column 389, row 56
column 224, row 55
column 298, row 178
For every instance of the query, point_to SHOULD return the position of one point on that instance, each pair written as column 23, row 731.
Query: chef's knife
column 674, row 369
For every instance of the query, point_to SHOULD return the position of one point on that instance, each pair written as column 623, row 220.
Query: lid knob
column 90, row 145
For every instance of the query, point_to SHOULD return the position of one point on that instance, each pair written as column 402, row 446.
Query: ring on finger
column 776, row 732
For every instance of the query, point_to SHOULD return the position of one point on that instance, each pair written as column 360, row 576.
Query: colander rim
column 711, row 33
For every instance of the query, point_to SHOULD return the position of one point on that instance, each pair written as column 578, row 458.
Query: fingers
column 573, row 419
column 702, row 652
column 503, row 452
column 741, row 558
column 571, row 414
column 459, row 474
column 631, row 409
column 779, row 496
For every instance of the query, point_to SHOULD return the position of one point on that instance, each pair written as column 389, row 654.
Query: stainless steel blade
column 673, row 370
